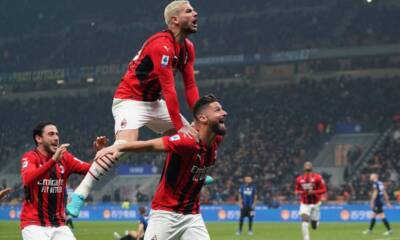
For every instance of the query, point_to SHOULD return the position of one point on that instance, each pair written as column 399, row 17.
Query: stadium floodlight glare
column 369, row 1
column 90, row 80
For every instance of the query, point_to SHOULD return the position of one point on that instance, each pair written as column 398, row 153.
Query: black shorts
column 246, row 212
column 378, row 209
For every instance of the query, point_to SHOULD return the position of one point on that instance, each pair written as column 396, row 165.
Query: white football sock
column 99, row 168
column 304, row 230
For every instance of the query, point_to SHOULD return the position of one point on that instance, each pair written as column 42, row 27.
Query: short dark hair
column 38, row 130
column 203, row 102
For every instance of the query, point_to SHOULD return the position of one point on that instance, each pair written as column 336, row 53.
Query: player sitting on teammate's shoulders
column 142, row 226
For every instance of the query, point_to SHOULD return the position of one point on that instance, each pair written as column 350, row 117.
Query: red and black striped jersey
column 184, row 173
column 310, row 187
column 44, row 182
column 150, row 74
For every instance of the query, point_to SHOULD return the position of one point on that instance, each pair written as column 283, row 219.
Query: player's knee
column 305, row 218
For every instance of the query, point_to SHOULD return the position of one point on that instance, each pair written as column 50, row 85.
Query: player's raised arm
column 4, row 192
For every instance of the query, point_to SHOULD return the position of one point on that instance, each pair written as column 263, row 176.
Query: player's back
column 141, row 81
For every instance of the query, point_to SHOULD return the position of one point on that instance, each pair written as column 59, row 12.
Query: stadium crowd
column 269, row 136
column 56, row 35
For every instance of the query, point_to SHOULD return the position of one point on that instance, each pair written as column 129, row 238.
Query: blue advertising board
column 225, row 213
column 145, row 169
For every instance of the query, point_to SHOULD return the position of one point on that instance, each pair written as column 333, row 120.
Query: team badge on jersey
column 164, row 60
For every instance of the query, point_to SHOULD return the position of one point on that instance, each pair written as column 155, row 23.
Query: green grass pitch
column 226, row 231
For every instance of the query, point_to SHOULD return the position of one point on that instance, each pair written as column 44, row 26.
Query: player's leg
column 195, row 229
column 162, row 225
column 251, row 218
column 315, row 216
column 242, row 215
column 386, row 223
column 305, row 211
column 62, row 233
column 35, row 233
column 129, row 116
column 69, row 222
column 372, row 223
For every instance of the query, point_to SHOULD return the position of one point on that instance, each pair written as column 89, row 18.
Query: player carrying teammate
column 175, row 206
column 310, row 186
column 44, row 173
column 149, row 77
column 378, row 199
column 142, row 226
column 247, row 203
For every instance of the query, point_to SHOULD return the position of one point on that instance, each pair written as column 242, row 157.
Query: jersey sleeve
column 76, row 165
column 298, row 187
column 30, row 171
column 191, row 89
column 162, row 55
column 179, row 144
column 321, row 186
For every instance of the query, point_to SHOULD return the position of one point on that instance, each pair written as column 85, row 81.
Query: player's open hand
column 189, row 131
column 100, row 143
column 4, row 192
column 60, row 152
column 111, row 150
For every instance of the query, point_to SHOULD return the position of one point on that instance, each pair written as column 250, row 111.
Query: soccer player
column 142, row 226
column 4, row 192
column 247, row 203
column 378, row 199
column 310, row 186
column 44, row 172
column 150, row 76
column 175, row 206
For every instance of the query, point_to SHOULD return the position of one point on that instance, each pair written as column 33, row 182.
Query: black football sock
column 250, row 223
column 372, row 224
column 387, row 225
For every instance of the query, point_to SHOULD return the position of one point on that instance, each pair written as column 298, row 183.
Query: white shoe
column 388, row 233
column 366, row 232
column 250, row 233
column 238, row 233
column 117, row 236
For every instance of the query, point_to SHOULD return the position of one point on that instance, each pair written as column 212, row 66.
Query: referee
column 247, row 203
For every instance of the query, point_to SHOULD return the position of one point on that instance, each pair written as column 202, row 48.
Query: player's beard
column 47, row 148
column 217, row 129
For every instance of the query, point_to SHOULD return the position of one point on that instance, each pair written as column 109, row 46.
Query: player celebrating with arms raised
column 310, row 186
column 150, row 76
column 175, row 206
column 378, row 199
column 44, row 173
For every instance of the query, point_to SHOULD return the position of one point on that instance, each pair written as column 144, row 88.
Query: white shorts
column 164, row 225
column 34, row 232
column 130, row 114
column 311, row 210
